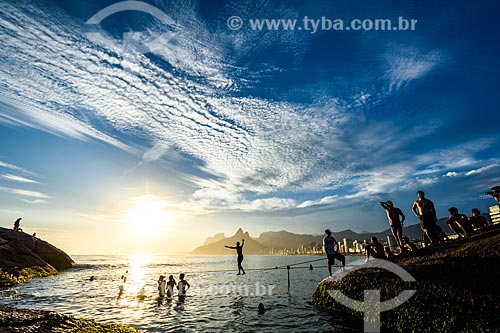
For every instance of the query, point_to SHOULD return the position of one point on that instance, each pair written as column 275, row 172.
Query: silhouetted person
column 375, row 249
column 440, row 234
column 331, row 247
column 409, row 245
column 141, row 296
column 92, row 278
column 393, row 214
column 459, row 223
column 162, row 286
column 239, row 251
column 426, row 213
column 477, row 220
column 183, row 287
column 261, row 309
column 124, row 277
column 495, row 193
column 388, row 253
column 120, row 292
column 170, row 286
column 17, row 224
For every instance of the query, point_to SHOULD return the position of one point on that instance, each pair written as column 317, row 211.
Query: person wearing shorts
column 329, row 245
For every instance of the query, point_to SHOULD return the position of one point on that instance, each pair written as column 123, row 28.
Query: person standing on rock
column 393, row 214
column 424, row 210
column 329, row 245
column 239, row 251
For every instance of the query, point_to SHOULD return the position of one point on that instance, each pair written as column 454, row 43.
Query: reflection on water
column 125, row 291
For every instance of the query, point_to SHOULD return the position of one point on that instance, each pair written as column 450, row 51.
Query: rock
column 456, row 288
column 36, row 321
column 24, row 257
column 40, row 248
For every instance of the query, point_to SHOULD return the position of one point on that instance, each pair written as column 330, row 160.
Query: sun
column 148, row 215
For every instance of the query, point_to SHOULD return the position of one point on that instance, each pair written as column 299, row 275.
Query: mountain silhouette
column 217, row 247
column 279, row 240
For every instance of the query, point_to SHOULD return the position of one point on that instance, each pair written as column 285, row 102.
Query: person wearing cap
column 477, row 220
column 459, row 223
column 329, row 245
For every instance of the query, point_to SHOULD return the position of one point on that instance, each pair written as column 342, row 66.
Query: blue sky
column 215, row 128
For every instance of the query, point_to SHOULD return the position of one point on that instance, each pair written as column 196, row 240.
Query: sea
column 219, row 300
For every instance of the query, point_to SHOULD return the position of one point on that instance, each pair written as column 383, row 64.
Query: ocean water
column 218, row 301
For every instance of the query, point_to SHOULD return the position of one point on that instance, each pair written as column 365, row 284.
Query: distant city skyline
column 107, row 147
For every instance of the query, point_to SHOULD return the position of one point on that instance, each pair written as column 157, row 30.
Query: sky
column 149, row 126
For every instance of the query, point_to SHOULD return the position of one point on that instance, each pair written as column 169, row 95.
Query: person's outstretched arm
column 242, row 242
column 230, row 247
column 383, row 205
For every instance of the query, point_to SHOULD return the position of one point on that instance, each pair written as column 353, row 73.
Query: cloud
column 24, row 193
column 482, row 169
column 452, row 174
column 35, row 201
column 15, row 168
column 405, row 64
column 323, row 201
column 188, row 100
column 19, row 179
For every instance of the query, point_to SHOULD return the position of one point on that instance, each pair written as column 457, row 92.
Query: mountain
column 217, row 247
column 272, row 241
column 214, row 238
column 284, row 239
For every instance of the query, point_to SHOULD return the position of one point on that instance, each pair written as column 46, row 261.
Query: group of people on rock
column 425, row 211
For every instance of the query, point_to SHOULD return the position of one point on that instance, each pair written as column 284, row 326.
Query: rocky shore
column 24, row 257
column 36, row 321
column 456, row 284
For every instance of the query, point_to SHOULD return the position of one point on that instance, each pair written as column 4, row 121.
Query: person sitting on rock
column 409, row 245
column 459, row 223
column 477, row 220
column 388, row 253
column 17, row 224
column 375, row 249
